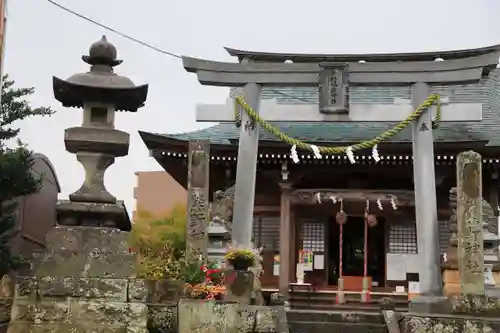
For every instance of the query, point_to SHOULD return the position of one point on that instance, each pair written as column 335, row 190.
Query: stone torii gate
column 333, row 75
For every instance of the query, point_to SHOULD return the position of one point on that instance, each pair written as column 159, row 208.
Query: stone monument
column 198, row 198
column 469, row 222
column 471, row 310
column 491, row 239
column 85, row 281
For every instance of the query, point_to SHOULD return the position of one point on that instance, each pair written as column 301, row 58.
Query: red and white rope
column 365, row 247
column 365, row 268
column 341, row 238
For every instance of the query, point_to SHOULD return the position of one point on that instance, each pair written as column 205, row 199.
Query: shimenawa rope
column 433, row 99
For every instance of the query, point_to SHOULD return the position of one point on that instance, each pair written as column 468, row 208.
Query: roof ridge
column 401, row 56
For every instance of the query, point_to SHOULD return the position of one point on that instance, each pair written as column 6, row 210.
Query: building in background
column 36, row 213
column 290, row 222
column 156, row 193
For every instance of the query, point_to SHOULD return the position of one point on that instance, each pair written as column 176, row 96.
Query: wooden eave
column 309, row 196
column 172, row 154
column 370, row 57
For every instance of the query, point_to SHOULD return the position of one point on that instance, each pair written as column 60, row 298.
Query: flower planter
column 238, row 266
column 240, row 260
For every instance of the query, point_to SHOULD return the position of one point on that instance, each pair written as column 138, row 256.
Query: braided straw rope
column 433, row 99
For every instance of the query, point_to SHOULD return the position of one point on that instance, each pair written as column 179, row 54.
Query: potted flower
column 240, row 259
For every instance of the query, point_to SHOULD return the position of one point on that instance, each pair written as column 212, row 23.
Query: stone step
column 374, row 308
column 309, row 327
column 335, row 316
column 321, row 301
column 305, row 321
column 401, row 299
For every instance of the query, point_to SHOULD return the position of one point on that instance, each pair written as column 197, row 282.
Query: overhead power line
column 138, row 41
column 88, row 19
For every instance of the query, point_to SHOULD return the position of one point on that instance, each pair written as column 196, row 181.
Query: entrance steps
column 340, row 321
column 326, row 300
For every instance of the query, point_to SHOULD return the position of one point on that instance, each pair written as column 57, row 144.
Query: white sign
column 396, row 267
column 300, row 273
column 489, row 280
column 276, row 270
column 413, row 287
column 319, row 261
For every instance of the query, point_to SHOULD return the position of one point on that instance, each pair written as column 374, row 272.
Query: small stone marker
column 469, row 216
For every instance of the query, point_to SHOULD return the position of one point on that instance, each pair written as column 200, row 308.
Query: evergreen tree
column 16, row 178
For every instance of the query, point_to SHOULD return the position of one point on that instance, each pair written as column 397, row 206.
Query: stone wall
column 198, row 316
column 89, row 303
column 456, row 314
column 441, row 324
column 36, row 302
column 163, row 297
column 84, row 282
column 111, row 303
column 167, row 309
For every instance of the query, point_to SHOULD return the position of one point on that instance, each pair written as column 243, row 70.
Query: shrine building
column 297, row 204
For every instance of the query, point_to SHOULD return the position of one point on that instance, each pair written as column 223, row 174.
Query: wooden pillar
column 494, row 202
column 285, row 238
column 293, row 245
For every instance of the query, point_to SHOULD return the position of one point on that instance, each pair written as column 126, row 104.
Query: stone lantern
column 219, row 238
column 96, row 143
column 88, row 262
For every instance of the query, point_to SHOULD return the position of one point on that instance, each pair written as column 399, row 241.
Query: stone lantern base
column 90, row 214
column 84, row 282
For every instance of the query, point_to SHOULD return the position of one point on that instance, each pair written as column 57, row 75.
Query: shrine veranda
column 292, row 205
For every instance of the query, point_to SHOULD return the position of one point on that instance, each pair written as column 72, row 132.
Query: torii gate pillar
column 430, row 279
column 246, row 172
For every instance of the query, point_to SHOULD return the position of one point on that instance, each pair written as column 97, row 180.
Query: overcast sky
column 44, row 41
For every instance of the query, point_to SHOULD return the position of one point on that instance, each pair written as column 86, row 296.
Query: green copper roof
column 337, row 132
column 487, row 92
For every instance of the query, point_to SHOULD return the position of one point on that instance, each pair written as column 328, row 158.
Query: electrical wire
column 106, row 27
column 138, row 41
